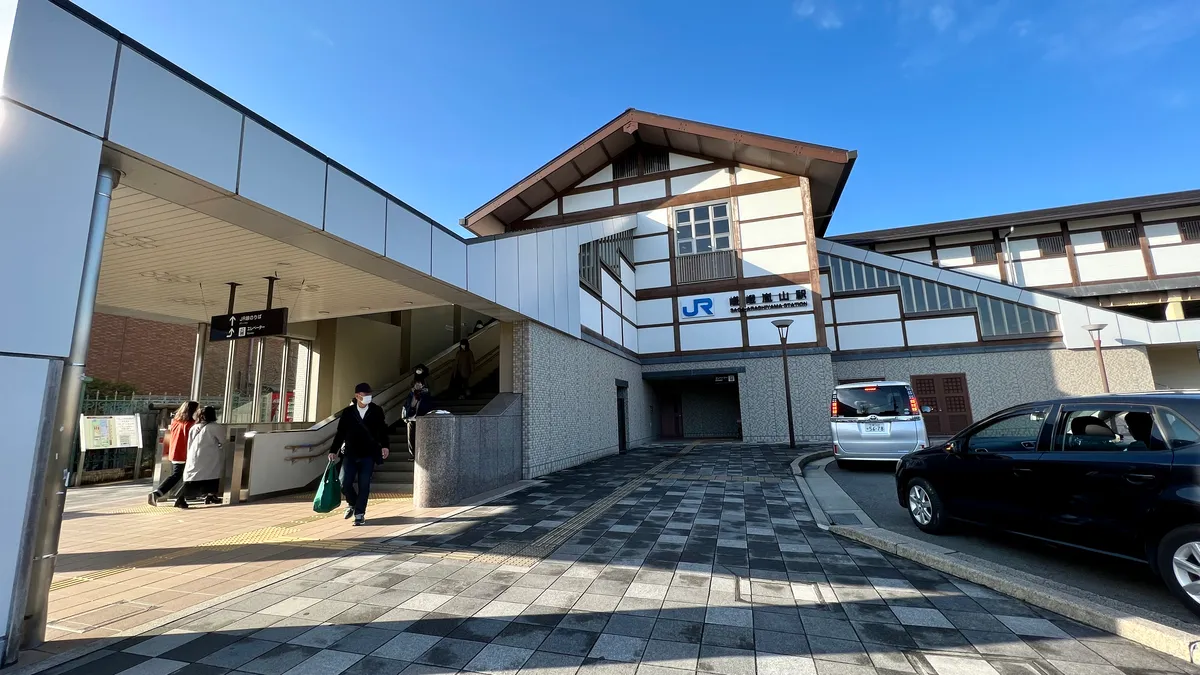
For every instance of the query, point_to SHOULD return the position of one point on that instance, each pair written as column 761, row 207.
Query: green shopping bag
column 329, row 493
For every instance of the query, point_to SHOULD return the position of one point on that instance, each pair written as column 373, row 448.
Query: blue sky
column 958, row 108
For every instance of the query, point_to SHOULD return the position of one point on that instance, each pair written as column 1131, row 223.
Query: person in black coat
column 418, row 403
column 361, row 444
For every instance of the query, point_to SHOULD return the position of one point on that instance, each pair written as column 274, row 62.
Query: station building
column 626, row 290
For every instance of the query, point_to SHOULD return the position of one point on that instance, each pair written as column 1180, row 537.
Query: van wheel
column 1179, row 564
column 925, row 507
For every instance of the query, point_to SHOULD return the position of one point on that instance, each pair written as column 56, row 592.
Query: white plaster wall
column 1163, row 233
column 710, row 335
column 449, row 258
column 628, row 277
column 159, row 115
column 572, row 279
column 941, row 331
column 604, row 175
column 47, row 185
column 57, row 64
column 356, row 212
column 870, row 335
column 964, row 238
column 587, row 200
column 282, row 176
column 1106, row 221
column 773, row 232
column 655, row 340
column 652, row 222
column 1024, row 249
column 1172, row 214
column 1116, row 265
column 550, row 209
column 629, row 307
column 1087, row 242
column 784, row 202
column 410, row 240
column 508, row 274
column 589, row 312
column 745, row 175
column 612, row 325
column 925, row 257
column 629, row 336
column 831, row 338
column 782, row 260
column 955, row 256
column 988, row 271
column 610, row 289
column 656, row 311
column 642, row 191
column 762, row 332
column 654, row 275
column 889, row 246
column 1043, row 272
column 676, row 161
column 651, row 248
column 1176, row 259
column 867, row 308
column 698, row 182
column 481, row 269
column 562, row 283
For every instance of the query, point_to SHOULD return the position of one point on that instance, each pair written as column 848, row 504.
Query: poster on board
column 110, row 431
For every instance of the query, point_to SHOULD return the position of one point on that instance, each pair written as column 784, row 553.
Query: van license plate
column 875, row 428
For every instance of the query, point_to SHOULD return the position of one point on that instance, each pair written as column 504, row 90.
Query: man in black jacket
column 361, row 443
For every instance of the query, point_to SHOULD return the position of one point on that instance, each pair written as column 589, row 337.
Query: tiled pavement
column 652, row 563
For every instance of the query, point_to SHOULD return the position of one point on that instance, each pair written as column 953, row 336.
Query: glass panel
column 702, row 229
column 299, row 358
column 703, row 245
column 860, row 276
column 920, row 303
column 1025, row 319
column 700, row 213
column 685, row 247
column 887, row 400
column 243, row 381
column 943, row 296
column 721, row 226
column 720, row 211
column 847, row 275
column 906, row 294
column 683, row 216
column 722, row 243
column 1011, row 323
column 985, row 318
column 272, row 372
column 684, row 231
column 1039, row 322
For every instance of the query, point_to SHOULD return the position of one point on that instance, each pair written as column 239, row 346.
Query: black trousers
column 356, row 482
column 170, row 481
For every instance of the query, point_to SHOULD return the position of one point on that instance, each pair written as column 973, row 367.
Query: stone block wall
column 997, row 380
column 570, row 399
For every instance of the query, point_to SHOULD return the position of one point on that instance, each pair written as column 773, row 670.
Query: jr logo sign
column 698, row 305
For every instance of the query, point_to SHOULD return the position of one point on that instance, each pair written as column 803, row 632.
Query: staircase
column 396, row 473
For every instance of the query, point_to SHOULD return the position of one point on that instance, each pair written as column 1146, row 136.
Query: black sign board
column 263, row 323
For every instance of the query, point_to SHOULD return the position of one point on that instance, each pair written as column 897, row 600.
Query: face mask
column 366, row 400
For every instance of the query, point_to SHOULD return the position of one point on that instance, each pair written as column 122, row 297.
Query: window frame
column 712, row 235
column 1039, row 441
column 984, row 261
column 1106, row 232
column 1058, row 435
column 1062, row 242
column 1183, row 224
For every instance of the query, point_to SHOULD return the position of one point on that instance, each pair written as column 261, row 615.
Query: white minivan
column 875, row 421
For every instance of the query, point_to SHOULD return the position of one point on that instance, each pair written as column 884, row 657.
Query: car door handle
column 1139, row 478
column 1028, row 445
column 1022, row 472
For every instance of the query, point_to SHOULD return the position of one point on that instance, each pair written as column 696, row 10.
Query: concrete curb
column 103, row 643
column 1152, row 630
column 798, row 465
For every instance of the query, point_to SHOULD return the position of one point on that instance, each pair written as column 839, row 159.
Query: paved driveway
column 659, row 562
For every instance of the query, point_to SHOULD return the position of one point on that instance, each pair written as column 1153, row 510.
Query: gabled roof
column 827, row 168
column 1111, row 207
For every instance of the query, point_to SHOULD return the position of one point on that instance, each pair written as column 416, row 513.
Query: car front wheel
column 1179, row 564
column 925, row 506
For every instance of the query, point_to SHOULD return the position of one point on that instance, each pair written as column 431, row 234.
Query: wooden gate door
column 947, row 395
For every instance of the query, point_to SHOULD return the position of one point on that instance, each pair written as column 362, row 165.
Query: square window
column 721, row 226
column 685, row 247
column 722, row 243
column 700, row 213
column 719, row 210
column 702, row 229
column 703, row 245
column 683, row 217
column 684, row 231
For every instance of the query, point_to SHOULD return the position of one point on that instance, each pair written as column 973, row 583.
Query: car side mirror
column 951, row 447
column 926, row 409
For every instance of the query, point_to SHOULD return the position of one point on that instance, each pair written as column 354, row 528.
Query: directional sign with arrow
column 263, row 323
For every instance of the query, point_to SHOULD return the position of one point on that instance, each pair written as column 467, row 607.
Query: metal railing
column 690, row 269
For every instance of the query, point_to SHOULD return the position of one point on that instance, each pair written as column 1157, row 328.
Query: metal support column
column 39, row 540
column 198, row 361
column 227, row 401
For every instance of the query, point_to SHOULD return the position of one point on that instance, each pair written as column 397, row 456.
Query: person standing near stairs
column 361, row 442
column 418, row 403
column 464, row 367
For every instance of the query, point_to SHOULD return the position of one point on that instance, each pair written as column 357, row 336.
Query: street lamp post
column 782, row 325
column 1094, row 330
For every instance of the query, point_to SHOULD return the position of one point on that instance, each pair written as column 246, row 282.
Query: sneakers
column 349, row 513
column 360, row 519
column 152, row 498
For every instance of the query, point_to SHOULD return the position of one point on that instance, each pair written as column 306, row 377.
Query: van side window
column 1182, row 433
column 1113, row 430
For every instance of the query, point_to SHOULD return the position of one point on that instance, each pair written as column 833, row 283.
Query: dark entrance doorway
column 691, row 405
column 622, row 416
column 947, row 395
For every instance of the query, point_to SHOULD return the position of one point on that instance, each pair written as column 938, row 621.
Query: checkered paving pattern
column 704, row 566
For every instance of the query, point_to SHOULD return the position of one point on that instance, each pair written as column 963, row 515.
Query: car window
column 1014, row 433
column 883, row 400
column 1182, row 433
column 1111, row 430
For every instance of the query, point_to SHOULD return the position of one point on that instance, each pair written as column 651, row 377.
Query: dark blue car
column 1115, row 474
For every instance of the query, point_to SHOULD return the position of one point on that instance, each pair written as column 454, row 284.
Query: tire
column 1179, row 564
column 925, row 507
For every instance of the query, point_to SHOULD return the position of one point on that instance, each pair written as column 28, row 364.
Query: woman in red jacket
column 175, row 445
